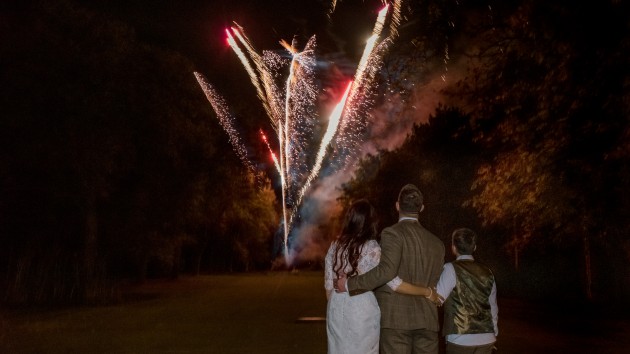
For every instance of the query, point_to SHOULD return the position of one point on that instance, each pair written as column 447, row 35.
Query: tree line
column 113, row 165
column 532, row 148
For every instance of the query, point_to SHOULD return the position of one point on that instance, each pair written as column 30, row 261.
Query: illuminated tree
column 550, row 97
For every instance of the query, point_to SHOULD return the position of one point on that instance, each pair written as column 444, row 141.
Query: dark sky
column 196, row 27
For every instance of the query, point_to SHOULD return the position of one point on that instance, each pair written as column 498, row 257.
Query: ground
column 276, row 312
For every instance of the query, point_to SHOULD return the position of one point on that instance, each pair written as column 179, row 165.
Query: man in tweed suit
column 409, row 324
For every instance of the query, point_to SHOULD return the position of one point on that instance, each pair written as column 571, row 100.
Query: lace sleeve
column 370, row 256
column 328, row 272
column 394, row 283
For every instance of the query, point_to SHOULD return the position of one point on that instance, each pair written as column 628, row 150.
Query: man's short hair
column 410, row 199
column 464, row 241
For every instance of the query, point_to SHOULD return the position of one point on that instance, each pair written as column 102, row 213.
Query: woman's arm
column 429, row 293
column 410, row 289
column 328, row 271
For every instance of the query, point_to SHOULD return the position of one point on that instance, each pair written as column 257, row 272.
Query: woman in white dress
column 353, row 322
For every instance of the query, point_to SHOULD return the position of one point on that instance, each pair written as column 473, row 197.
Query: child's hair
column 464, row 240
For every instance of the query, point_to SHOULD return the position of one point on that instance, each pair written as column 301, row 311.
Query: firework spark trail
column 273, row 155
column 285, row 222
column 292, row 111
column 270, row 99
column 369, row 50
column 299, row 96
column 269, row 95
column 281, row 170
column 287, row 105
column 300, row 115
column 353, row 124
column 333, row 123
column 396, row 17
column 333, row 5
column 225, row 118
column 250, row 70
column 380, row 21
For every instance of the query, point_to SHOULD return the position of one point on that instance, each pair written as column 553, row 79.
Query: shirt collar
column 466, row 256
column 407, row 218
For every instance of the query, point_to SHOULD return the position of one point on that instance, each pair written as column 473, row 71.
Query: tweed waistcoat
column 467, row 309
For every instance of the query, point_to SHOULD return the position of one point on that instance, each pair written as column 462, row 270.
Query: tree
column 64, row 138
column 549, row 96
column 251, row 220
column 439, row 157
column 104, row 135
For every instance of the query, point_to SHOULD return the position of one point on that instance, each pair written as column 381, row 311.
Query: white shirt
column 445, row 285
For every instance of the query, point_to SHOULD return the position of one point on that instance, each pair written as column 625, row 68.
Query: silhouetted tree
column 439, row 157
column 108, row 143
column 549, row 94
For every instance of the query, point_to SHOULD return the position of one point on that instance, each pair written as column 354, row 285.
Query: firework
column 273, row 154
column 355, row 122
column 225, row 118
column 292, row 109
column 333, row 123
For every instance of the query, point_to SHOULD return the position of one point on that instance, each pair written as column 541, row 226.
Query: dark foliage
column 111, row 167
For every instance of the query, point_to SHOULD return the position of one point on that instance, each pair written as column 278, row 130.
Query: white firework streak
column 250, row 70
column 368, row 51
column 300, row 115
column 333, row 5
column 352, row 124
column 287, row 106
column 269, row 95
column 380, row 21
column 284, row 194
column 281, row 170
column 355, row 120
column 333, row 123
column 225, row 118
column 393, row 25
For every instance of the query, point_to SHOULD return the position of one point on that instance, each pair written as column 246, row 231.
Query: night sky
column 197, row 28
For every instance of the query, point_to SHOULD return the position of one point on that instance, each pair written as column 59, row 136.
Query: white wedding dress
column 353, row 322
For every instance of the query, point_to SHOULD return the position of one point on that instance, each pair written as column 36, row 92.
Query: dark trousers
column 452, row 348
column 416, row 341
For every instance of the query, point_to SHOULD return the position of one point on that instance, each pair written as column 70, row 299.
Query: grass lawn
column 259, row 313
column 254, row 313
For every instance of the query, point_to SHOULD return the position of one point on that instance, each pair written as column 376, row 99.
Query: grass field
column 261, row 313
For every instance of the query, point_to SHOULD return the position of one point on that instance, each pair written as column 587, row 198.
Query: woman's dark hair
column 359, row 226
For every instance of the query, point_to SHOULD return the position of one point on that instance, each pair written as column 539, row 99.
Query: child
column 470, row 309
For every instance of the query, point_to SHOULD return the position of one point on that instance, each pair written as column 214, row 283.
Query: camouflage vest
column 467, row 309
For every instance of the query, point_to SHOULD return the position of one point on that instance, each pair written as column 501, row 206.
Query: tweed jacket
column 413, row 253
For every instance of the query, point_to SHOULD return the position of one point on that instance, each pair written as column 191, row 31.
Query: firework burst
column 291, row 105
